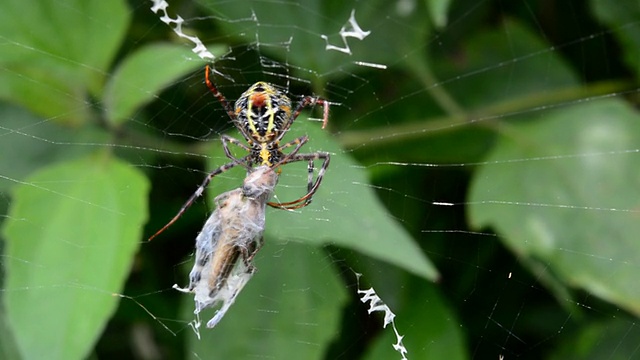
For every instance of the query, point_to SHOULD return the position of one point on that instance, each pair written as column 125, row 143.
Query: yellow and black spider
column 263, row 116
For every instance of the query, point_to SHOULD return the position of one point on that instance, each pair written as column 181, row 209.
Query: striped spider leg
column 198, row 193
column 312, row 186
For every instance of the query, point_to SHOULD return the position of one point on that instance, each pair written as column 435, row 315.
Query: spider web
column 483, row 178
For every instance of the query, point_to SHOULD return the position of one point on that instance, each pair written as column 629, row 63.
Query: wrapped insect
column 228, row 242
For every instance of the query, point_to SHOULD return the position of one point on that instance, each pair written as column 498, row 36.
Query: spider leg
column 310, row 168
column 305, row 102
column 225, row 104
column 311, row 186
column 196, row 195
column 311, row 101
column 226, row 140
column 297, row 142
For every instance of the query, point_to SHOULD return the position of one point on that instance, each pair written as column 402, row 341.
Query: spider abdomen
column 263, row 111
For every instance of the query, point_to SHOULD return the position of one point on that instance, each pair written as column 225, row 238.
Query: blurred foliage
column 525, row 112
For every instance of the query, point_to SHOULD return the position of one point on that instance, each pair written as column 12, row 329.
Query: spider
column 263, row 116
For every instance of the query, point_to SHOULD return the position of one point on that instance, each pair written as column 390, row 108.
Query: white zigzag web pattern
column 199, row 48
column 376, row 304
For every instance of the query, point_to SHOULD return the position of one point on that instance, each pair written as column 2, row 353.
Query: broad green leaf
column 58, row 52
column 563, row 192
column 291, row 307
column 144, row 74
column 429, row 328
column 71, row 233
column 622, row 19
column 30, row 142
column 345, row 211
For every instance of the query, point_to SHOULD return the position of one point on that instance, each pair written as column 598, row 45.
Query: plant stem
column 486, row 116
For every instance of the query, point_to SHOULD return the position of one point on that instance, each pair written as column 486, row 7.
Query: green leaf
column 144, row 74
column 622, row 18
column 296, row 296
column 30, row 142
column 58, row 52
column 72, row 231
column 345, row 211
column 552, row 190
